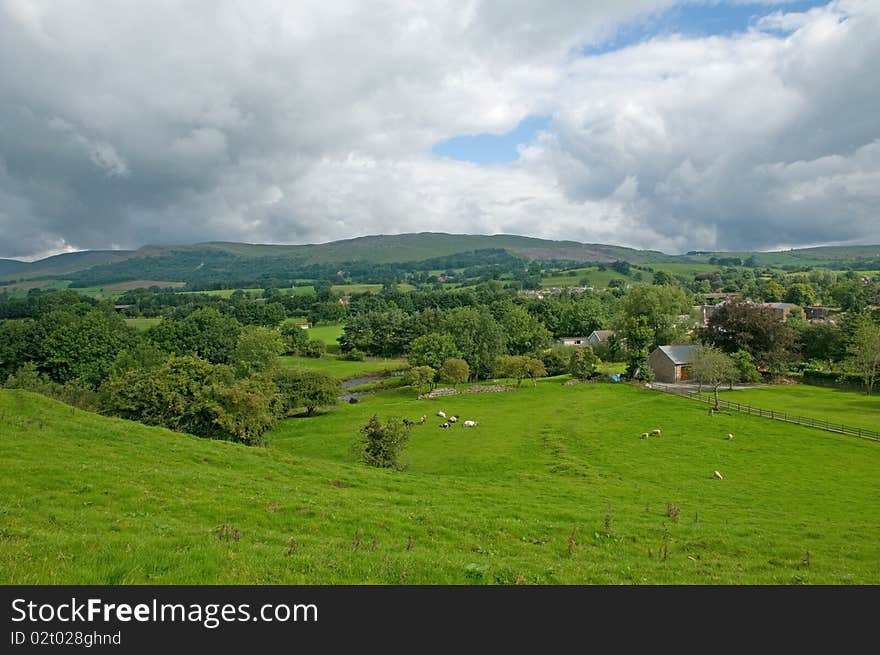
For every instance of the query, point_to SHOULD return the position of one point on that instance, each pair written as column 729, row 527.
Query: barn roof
column 680, row 354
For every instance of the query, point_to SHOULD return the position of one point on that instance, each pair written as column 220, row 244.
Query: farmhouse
column 598, row 337
column 574, row 341
column 672, row 363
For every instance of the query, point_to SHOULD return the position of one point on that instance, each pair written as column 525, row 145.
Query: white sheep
column 453, row 419
column 644, row 435
column 729, row 437
column 717, row 475
column 470, row 424
column 441, row 414
column 656, row 433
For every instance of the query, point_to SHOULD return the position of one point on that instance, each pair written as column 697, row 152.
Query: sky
column 662, row 124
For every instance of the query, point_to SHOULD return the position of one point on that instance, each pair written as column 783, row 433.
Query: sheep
column 717, row 475
column 453, row 419
column 444, row 425
column 729, row 437
column 656, row 433
column 423, row 419
column 470, row 424
column 407, row 422
column 644, row 435
column 441, row 414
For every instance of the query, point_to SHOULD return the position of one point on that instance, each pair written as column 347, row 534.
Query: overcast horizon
column 721, row 125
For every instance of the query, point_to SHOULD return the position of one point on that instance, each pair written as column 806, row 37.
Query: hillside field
column 553, row 486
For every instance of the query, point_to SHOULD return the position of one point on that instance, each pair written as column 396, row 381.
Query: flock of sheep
column 452, row 420
column 657, row 432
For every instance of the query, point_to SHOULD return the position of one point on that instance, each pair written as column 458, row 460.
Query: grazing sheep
column 644, row 435
column 656, row 433
column 453, row 419
column 444, row 425
column 717, row 475
column 470, row 424
column 729, row 437
column 407, row 422
column 441, row 414
column 424, row 418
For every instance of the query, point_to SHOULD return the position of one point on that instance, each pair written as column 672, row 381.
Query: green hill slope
column 554, row 486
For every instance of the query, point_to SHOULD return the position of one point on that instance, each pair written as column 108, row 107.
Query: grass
column 343, row 369
column 828, row 404
column 142, row 324
column 328, row 334
column 87, row 499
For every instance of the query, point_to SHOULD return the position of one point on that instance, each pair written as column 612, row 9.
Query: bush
column 314, row 349
column 454, row 371
column 556, row 360
column 421, row 377
column 309, row 389
column 353, row 355
column 381, row 445
column 73, row 392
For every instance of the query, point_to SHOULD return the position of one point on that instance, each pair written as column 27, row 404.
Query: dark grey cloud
column 270, row 121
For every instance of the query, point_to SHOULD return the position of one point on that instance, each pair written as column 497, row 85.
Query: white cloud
column 288, row 122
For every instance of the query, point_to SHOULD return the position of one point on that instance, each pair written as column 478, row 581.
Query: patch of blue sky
column 696, row 18
column 492, row 148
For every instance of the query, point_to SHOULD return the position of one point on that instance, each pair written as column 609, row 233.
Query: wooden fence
column 862, row 433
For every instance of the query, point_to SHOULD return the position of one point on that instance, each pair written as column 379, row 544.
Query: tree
column 381, row 444
column 205, row 333
column 757, row 330
column 309, row 389
column 556, row 360
column 801, row 294
column 454, row 371
column 422, row 378
column 314, row 348
column 582, row 363
column 773, row 291
column 295, row 337
column 713, row 367
column 257, row 350
column 864, row 351
column 432, row 350
column 247, row 409
column 478, row 337
column 525, row 334
column 745, row 367
column 519, row 367
column 660, row 306
column 638, row 335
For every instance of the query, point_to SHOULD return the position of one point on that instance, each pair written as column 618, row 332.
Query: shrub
column 381, row 444
column 421, row 377
column 309, row 389
column 353, row 355
column 556, row 360
column 454, row 371
column 313, row 348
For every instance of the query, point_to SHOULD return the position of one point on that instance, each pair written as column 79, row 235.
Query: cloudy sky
column 704, row 124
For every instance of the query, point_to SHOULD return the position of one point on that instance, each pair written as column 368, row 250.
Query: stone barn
column 672, row 363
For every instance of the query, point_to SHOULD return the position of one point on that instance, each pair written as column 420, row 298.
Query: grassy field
column 327, row 334
column 825, row 403
column 553, row 486
column 142, row 324
column 343, row 369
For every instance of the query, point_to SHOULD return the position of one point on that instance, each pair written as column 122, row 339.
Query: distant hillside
column 61, row 264
column 376, row 256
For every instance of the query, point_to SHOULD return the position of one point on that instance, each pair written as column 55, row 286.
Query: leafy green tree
column 205, row 333
column 478, row 337
column 19, row 344
column 421, row 377
column 141, row 355
column 84, row 347
column 638, row 336
column 177, row 395
column 582, row 363
column 556, row 360
column 801, row 294
column 247, row 409
column 745, row 366
column 713, row 367
column 295, row 338
column 432, row 350
column 660, row 307
column 454, row 371
column 519, row 367
column 864, row 351
column 257, row 350
column 314, row 348
column 309, row 389
column 381, row 444
column 525, row 334
column 773, row 291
